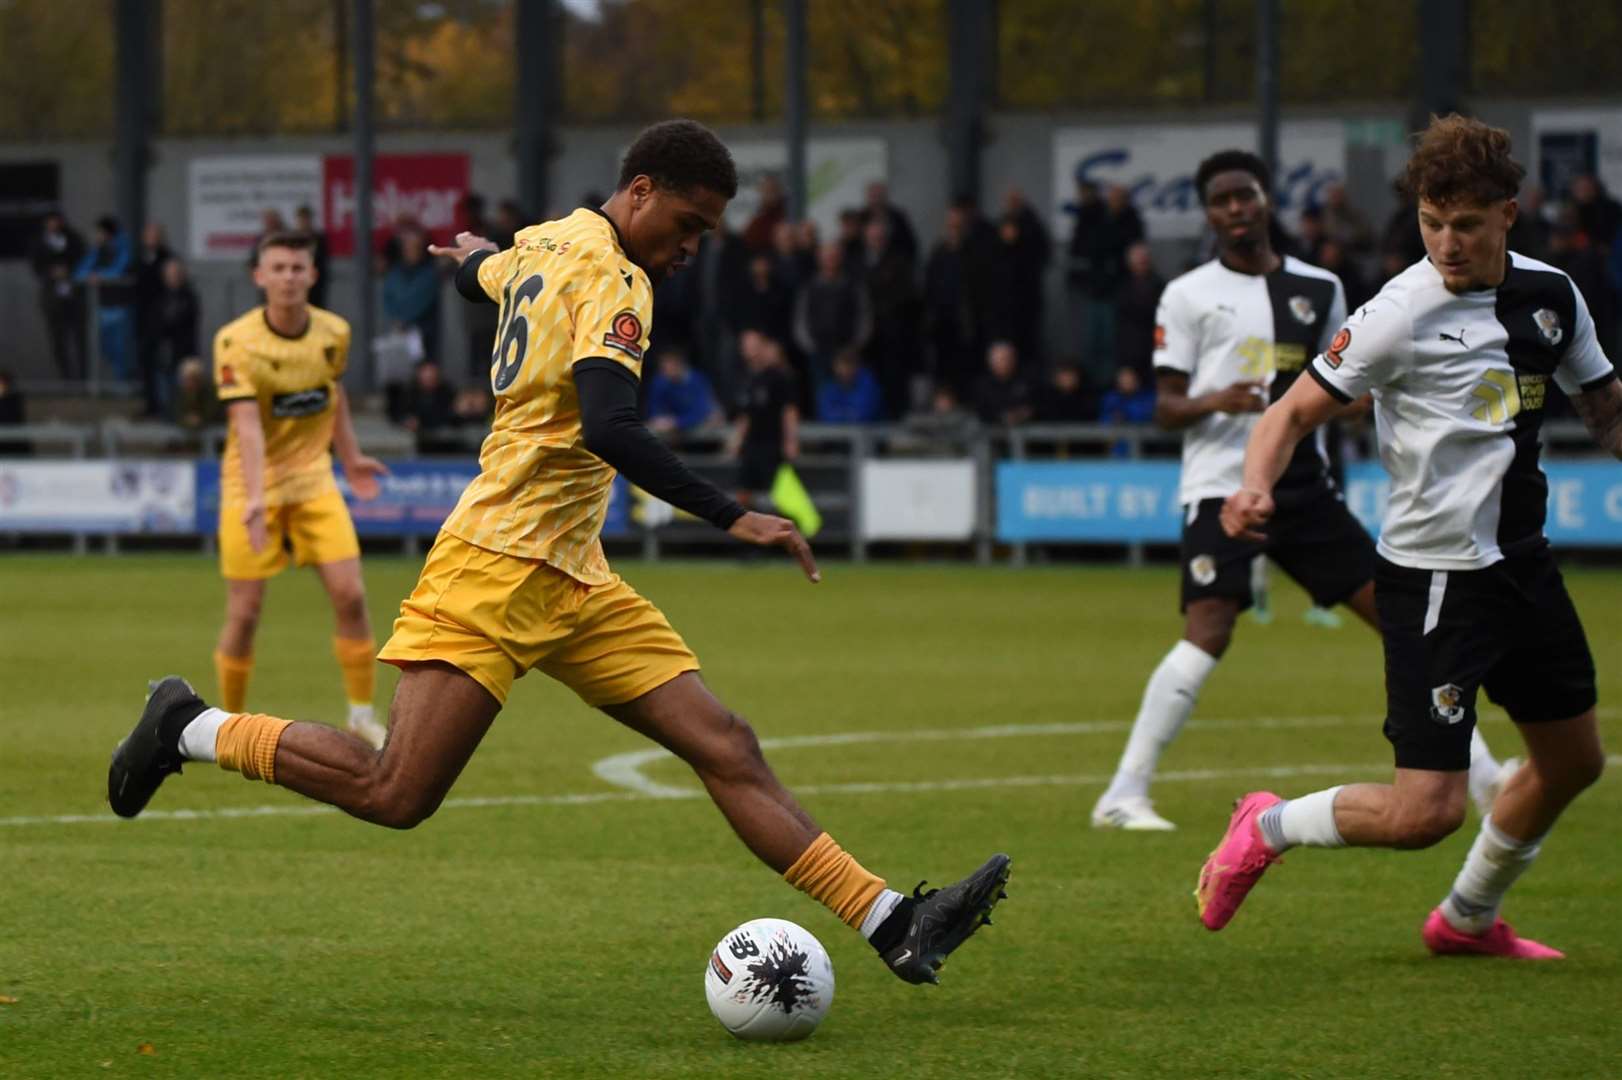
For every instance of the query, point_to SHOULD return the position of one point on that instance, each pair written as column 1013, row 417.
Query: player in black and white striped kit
column 1459, row 352
column 1231, row 336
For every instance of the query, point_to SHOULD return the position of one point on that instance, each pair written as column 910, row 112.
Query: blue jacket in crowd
column 858, row 403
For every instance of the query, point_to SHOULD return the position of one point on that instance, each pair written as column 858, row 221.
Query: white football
column 769, row 981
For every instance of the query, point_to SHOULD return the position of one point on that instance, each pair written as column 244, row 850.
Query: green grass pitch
column 522, row 933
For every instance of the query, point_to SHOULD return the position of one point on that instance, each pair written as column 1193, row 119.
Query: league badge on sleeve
column 625, row 334
column 1332, row 355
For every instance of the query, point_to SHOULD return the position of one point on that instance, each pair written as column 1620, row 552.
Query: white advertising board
column 1156, row 163
column 227, row 197
column 98, row 497
column 918, row 500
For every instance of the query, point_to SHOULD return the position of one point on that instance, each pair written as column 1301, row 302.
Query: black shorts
column 1510, row 629
column 757, row 466
column 1317, row 542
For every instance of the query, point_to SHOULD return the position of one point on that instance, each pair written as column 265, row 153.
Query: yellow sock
column 356, row 656
column 831, row 876
column 247, row 743
column 231, row 673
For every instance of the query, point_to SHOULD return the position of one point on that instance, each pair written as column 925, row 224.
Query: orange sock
column 247, row 743
column 231, row 673
column 356, row 657
column 830, row 875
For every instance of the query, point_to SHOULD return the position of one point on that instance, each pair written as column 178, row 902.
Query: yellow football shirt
column 295, row 382
column 567, row 293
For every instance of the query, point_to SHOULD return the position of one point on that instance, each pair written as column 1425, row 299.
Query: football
column 769, row 980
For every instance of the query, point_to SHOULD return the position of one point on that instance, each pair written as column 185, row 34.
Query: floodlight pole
column 136, row 108
column 1267, row 82
column 971, row 44
column 365, row 42
column 794, row 106
column 538, row 39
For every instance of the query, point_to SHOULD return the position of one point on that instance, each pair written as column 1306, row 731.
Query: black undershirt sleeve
column 467, row 278
column 614, row 431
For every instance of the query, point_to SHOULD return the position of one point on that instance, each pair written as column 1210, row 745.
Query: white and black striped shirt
column 1459, row 384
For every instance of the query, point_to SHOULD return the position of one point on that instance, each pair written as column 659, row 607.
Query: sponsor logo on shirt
column 299, row 403
column 625, row 334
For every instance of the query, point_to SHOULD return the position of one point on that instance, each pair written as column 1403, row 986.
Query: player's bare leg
column 353, row 645
column 1168, row 701
column 233, row 652
column 685, row 718
column 913, row 934
column 439, row 716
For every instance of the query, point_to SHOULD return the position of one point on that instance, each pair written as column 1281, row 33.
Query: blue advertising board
column 416, row 498
column 1136, row 501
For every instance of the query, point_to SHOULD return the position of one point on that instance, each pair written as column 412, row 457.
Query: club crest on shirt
column 1549, row 328
column 1202, row 569
column 625, row 334
column 1301, row 307
column 1446, row 704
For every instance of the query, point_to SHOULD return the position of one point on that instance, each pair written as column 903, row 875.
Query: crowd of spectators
column 856, row 327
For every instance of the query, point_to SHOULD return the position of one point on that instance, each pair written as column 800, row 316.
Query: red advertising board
column 425, row 187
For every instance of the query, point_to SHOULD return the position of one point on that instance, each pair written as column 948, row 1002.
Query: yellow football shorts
column 495, row 617
column 319, row 531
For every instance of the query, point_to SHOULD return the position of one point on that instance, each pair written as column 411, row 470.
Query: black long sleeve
column 614, row 431
column 467, row 278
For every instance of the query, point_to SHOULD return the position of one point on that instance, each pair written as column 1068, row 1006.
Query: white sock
column 880, row 911
column 1494, row 862
column 360, row 713
column 1168, row 700
column 1483, row 766
column 1305, row 822
column 197, row 737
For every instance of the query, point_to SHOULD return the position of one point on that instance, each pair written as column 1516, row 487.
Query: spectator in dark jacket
column 54, row 256
column 852, row 396
column 428, row 409
column 1066, row 399
column 1530, row 233
column 13, row 413
column 479, row 320
column 1103, row 231
column 1599, row 217
column 894, row 352
column 1570, row 251
column 175, row 316
column 831, row 314
column 1135, row 308
column 1002, row 395
column 952, row 292
column 1332, row 257
column 880, row 208
column 767, row 302
column 411, row 290
column 157, row 378
column 1014, row 301
column 773, row 209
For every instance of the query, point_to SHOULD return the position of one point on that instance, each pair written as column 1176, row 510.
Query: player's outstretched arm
column 1601, row 410
column 613, row 430
column 361, row 471
column 463, row 246
column 1303, row 409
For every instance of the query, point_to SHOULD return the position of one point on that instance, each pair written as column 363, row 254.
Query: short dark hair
column 1459, row 160
column 285, row 238
column 1232, row 161
column 680, row 156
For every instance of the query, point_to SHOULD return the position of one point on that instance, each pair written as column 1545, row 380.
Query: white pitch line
column 885, row 787
column 625, row 770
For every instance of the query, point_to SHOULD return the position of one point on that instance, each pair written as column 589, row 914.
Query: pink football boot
column 1237, row 863
column 1442, row 940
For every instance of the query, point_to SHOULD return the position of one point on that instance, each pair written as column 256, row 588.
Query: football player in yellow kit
column 278, row 370
column 517, row 578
